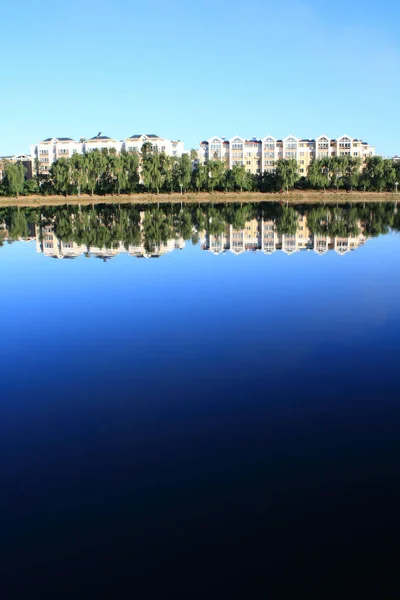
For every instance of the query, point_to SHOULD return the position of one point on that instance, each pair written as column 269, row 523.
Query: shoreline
column 293, row 197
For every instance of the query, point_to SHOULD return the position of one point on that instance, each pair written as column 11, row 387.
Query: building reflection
column 106, row 231
column 262, row 235
column 49, row 244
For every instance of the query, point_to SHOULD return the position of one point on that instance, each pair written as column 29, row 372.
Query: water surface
column 205, row 399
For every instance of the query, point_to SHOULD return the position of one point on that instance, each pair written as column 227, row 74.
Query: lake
column 218, row 418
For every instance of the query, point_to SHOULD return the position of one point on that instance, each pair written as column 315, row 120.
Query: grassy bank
column 293, row 197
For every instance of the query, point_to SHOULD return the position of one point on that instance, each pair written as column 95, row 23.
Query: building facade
column 260, row 155
column 45, row 153
column 169, row 147
column 25, row 159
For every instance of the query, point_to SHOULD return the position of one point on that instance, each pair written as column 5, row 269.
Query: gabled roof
column 290, row 137
column 150, row 136
column 101, row 137
column 59, row 139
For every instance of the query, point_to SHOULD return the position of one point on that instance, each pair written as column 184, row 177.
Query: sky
column 189, row 70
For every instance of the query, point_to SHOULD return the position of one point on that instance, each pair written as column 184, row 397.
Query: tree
column 286, row 173
column 185, row 167
column 96, row 163
column 216, row 171
column 374, row 173
column 239, row 177
column 352, row 172
column 199, row 177
column 79, row 171
column 130, row 162
column 60, row 174
column 14, row 177
column 338, row 166
column 153, row 176
column 30, row 187
column 389, row 174
column 169, row 167
column 318, row 174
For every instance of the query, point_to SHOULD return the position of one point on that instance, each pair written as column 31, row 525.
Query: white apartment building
column 259, row 155
column 101, row 142
column 170, row 147
column 51, row 149
column 25, row 159
column 45, row 153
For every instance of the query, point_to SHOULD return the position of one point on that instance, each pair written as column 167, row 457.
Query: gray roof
column 60, row 139
column 139, row 135
column 100, row 137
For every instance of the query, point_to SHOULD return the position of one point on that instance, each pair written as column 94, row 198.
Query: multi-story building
column 45, row 153
column 101, row 142
column 25, row 159
column 260, row 155
column 159, row 144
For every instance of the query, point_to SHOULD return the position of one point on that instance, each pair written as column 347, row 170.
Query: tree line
column 106, row 172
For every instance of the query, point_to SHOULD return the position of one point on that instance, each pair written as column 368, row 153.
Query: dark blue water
column 215, row 426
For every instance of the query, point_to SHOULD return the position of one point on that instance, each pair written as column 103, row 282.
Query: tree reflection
column 151, row 230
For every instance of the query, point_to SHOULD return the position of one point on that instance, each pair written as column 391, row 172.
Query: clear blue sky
column 189, row 70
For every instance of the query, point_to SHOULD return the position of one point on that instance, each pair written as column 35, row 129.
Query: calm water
column 219, row 417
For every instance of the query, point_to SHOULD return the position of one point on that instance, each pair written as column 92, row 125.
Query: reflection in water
column 104, row 231
column 205, row 407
